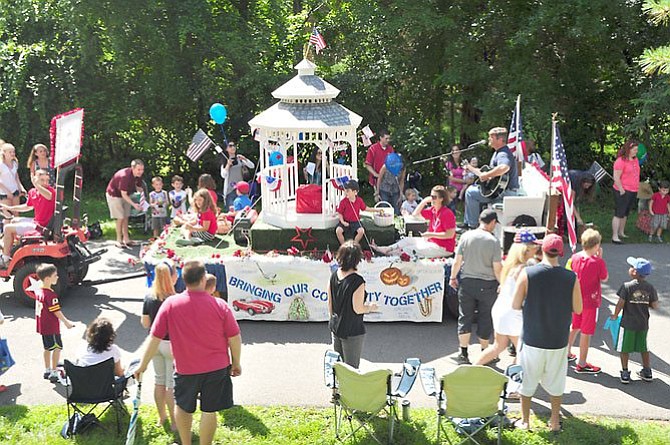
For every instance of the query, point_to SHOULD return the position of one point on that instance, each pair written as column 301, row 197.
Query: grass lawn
column 282, row 425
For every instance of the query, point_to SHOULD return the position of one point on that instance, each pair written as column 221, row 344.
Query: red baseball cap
column 553, row 244
column 242, row 187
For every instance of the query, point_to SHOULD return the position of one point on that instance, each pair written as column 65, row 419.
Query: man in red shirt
column 42, row 199
column 124, row 183
column 202, row 331
column 376, row 156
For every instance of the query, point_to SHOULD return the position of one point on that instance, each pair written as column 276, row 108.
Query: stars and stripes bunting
column 273, row 184
column 515, row 140
column 199, row 145
column 561, row 180
column 317, row 40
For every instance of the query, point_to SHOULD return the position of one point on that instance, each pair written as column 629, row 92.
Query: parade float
column 282, row 272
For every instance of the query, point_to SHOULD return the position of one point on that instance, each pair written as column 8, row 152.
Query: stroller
column 138, row 218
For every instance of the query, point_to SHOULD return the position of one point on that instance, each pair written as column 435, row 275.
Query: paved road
column 282, row 362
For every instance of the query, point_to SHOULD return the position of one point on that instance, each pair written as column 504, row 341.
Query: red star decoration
column 303, row 236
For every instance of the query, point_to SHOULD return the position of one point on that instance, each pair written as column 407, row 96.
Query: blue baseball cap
column 641, row 265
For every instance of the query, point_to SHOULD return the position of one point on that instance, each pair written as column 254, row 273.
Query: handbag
column 6, row 360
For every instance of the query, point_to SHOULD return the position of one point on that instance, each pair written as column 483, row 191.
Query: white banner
column 294, row 289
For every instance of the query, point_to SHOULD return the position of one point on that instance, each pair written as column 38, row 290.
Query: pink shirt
column 457, row 172
column 351, row 211
column 659, row 203
column 199, row 326
column 630, row 173
column 590, row 271
column 441, row 221
column 376, row 157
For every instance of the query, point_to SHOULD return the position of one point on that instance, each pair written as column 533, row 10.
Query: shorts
column 203, row 235
column 350, row 232
column 23, row 225
column 158, row 222
column 476, row 294
column 52, row 342
column 586, row 321
column 15, row 193
column 659, row 222
column 631, row 341
column 623, row 204
column 164, row 365
column 548, row 367
column 215, row 389
column 118, row 207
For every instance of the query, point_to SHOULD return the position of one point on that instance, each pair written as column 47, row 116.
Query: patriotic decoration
column 67, row 136
column 367, row 131
column 515, row 141
column 327, row 256
column 303, row 237
column 561, row 180
column 317, row 40
column 340, row 182
column 273, row 184
column 199, row 145
column 366, row 140
column 143, row 203
column 597, row 171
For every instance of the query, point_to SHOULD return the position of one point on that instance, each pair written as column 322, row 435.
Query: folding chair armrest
column 404, row 384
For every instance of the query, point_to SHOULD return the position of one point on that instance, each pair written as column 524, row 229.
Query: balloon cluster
column 218, row 113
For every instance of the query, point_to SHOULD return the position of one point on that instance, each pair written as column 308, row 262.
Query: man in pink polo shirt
column 376, row 156
column 202, row 330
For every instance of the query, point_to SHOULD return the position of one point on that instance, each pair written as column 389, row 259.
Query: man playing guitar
column 502, row 163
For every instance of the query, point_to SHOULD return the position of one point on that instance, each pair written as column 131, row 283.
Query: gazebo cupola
column 306, row 117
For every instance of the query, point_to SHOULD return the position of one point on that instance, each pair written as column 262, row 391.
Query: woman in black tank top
column 346, row 304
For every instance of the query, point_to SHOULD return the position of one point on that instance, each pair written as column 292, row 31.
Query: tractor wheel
column 81, row 275
column 25, row 280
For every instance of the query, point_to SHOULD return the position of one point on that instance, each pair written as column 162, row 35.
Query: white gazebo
column 306, row 114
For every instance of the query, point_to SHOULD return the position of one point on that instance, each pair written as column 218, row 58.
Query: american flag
column 515, row 141
column 317, row 40
column 597, row 171
column 199, row 145
column 561, row 180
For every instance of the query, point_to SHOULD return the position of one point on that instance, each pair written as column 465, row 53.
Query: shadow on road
column 9, row 397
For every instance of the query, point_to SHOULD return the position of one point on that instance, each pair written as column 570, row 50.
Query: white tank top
column 8, row 176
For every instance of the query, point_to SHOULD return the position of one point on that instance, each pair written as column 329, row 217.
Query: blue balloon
column 218, row 113
column 276, row 158
column 394, row 163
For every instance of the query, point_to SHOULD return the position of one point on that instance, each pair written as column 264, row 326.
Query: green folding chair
column 362, row 397
column 470, row 391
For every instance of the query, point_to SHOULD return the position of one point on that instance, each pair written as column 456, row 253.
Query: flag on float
column 143, row 203
column 561, row 179
column 366, row 140
column 317, row 40
column 199, row 145
column 367, row 131
column 340, row 182
column 272, row 183
column 515, row 141
column 597, row 171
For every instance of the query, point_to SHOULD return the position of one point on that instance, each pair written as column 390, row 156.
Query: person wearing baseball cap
column 635, row 299
column 242, row 201
column 478, row 260
column 547, row 294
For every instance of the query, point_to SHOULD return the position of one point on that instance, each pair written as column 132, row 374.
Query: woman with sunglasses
column 440, row 238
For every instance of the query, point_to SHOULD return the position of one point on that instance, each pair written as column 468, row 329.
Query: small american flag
column 515, row 141
column 561, row 180
column 597, row 171
column 199, row 145
column 317, row 40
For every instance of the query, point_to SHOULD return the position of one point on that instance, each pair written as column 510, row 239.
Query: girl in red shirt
column 205, row 226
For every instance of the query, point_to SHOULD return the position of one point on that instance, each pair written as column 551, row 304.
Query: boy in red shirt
column 349, row 212
column 659, row 207
column 48, row 316
column 591, row 271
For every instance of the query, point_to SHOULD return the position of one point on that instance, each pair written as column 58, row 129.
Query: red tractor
column 59, row 244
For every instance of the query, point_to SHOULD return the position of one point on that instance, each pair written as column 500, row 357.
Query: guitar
column 492, row 188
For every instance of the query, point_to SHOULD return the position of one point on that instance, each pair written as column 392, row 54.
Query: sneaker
column 645, row 374
column 54, row 376
column 47, row 373
column 659, row 239
column 462, row 359
column 624, row 376
column 511, row 350
column 586, row 369
column 571, row 357
column 651, row 239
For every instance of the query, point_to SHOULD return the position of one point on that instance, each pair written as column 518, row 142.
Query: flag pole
column 553, row 199
column 519, row 168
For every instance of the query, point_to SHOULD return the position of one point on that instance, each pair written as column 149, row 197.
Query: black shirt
column 150, row 308
column 637, row 295
column 547, row 310
column 342, row 293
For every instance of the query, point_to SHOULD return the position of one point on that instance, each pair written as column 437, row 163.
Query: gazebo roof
column 306, row 85
column 310, row 116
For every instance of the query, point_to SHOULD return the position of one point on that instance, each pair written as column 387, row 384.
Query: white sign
column 294, row 289
column 68, row 137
